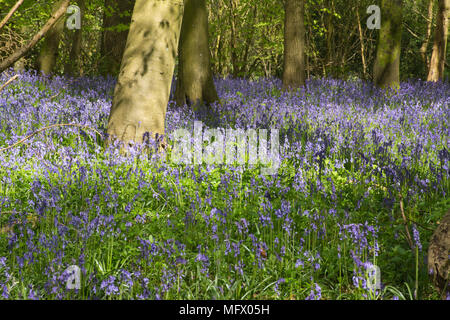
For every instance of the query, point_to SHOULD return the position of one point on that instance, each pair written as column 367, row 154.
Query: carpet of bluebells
column 363, row 179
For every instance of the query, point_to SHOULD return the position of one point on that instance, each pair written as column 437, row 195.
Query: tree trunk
column 195, row 84
column 233, row 40
column 437, row 63
column 294, row 44
column 438, row 254
column 331, row 50
column 361, row 42
column 116, row 17
column 49, row 51
column 72, row 66
column 423, row 48
column 386, row 70
column 142, row 91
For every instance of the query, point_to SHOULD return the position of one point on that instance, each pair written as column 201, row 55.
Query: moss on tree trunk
column 195, row 83
column 386, row 71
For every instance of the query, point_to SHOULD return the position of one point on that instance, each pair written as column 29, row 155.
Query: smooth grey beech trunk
column 142, row 91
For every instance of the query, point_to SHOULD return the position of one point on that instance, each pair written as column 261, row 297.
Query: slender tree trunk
column 117, row 15
column 331, row 51
column 72, row 66
column 195, row 83
column 218, row 54
column 248, row 43
column 49, row 51
column 361, row 41
column 386, row 71
column 234, row 57
column 294, row 44
column 142, row 91
column 423, row 48
column 437, row 63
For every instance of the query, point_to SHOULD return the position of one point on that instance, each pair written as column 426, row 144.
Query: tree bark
column 49, row 51
column 386, row 71
column 437, row 63
column 233, row 40
column 438, row 254
column 195, row 83
column 23, row 50
column 361, row 41
column 294, row 44
column 117, row 14
column 423, row 48
column 72, row 66
column 142, row 91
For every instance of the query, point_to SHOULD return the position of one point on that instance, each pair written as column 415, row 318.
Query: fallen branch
column 49, row 127
column 8, row 82
column 38, row 36
column 10, row 13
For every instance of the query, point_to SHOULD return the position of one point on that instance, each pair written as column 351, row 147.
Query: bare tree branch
column 38, row 36
column 10, row 13
column 8, row 82
column 49, row 127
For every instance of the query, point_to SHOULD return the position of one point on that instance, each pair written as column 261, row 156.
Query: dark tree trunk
column 437, row 63
column 424, row 47
column 195, row 82
column 294, row 44
column 72, row 66
column 49, row 51
column 117, row 16
column 386, row 70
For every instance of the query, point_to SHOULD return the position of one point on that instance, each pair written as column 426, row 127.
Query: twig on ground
column 8, row 82
column 49, row 127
